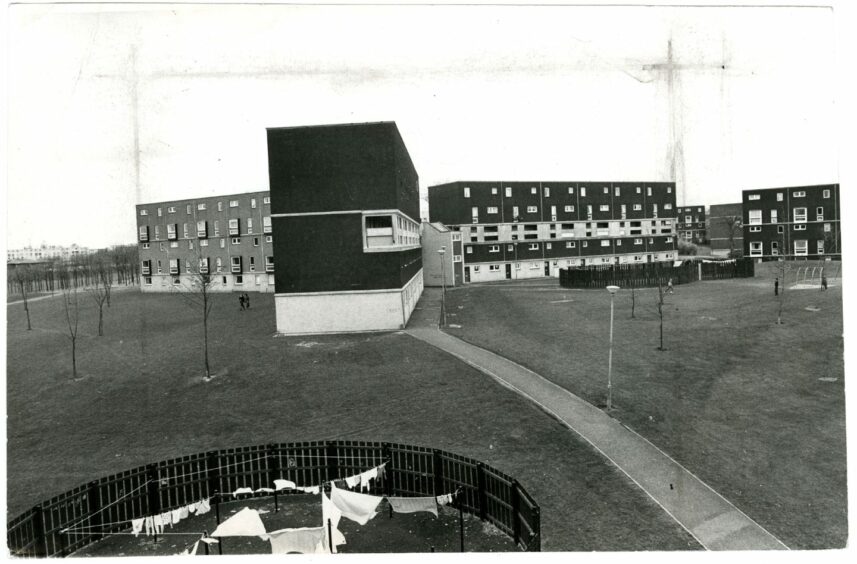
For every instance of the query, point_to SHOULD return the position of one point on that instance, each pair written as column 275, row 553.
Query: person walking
column 777, row 286
column 247, row 300
column 241, row 301
column 823, row 282
column 670, row 286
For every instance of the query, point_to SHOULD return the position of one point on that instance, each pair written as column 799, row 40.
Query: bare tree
column 633, row 298
column 733, row 227
column 72, row 316
column 99, row 293
column 660, row 305
column 197, row 294
column 23, row 276
column 781, row 271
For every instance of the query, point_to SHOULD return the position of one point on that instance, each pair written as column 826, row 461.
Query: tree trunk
column 101, row 319
column 26, row 307
column 73, row 358
column 205, row 338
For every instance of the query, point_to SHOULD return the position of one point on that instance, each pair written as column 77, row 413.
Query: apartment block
column 345, row 213
column 228, row 237
column 515, row 230
column 725, row 228
column 691, row 224
column 442, row 268
column 798, row 222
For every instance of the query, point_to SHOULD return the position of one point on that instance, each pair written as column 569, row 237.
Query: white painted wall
column 163, row 283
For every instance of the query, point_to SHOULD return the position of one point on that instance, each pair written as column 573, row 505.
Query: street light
column 442, row 252
column 612, row 290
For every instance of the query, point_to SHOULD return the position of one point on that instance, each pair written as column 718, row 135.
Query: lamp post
column 612, row 290
column 442, row 253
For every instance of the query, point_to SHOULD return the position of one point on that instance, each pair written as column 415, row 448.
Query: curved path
column 712, row 520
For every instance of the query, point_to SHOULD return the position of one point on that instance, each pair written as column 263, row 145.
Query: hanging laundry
column 305, row 540
column 241, row 491
column 137, row 526
column 245, row 523
column 309, row 489
column 352, row 481
column 413, row 504
column 368, row 475
column 177, row 516
column 330, row 512
column 382, row 471
column 264, row 490
column 358, row 507
column 209, row 540
column 192, row 507
column 444, row 499
column 203, row 507
column 167, row 518
column 284, row 485
column 150, row 525
column 183, row 513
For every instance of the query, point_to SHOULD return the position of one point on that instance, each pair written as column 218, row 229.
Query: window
column 144, row 233
column 218, row 263
column 189, row 209
column 147, row 280
column 252, row 264
column 233, row 227
column 547, row 192
column 799, row 194
column 648, row 190
column 755, row 217
column 651, row 241
column 255, row 241
column 585, row 244
column 569, row 244
column 801, row 247
column 492, row 209
column 534, row 190
column 688, row 219
column 147, row 267
column 494, row 268
column 515, row 213
column 185, row 231
column 825, row 194
column 571, row 191
column 827, row 228
column 219, row 206
column 493, row 191
column 171, row 209
column 669, row 189
column 510, row 248
column 145, row 245
column 203, row 242
column 589, row 212
column 616, row 191
column 532, row 209
column 160, row 213
column 583, row 191
column 174, row 266
column 171, row 230
column 466, row 192
column 144, row 212
column 638, row 241
column 755, row 248
column 535, row 266
column 253, row 203
column 753, row 197
column 534, row 246
column 638, row 207
column 201, row 207
column 668, row 206
column 456, row 258
column 569, row 209
column 190, row 245
column 779, row 196
column 202, row 229
column 780, row 229
column 775, row 248
column 800, row 227
column 604, row 207
column 233, row 203
column 216, row 228
column 269, row 264
column 819, row 214
column 476, row 268
column 494, row 249
column 239, row 279
column 249, row 225
column 268, row 238
column 508, row 191
column 755, row 229
column 236, row 240
column 606, row 190
column 639, row 190
column 773, row 216
column 174, row 244
column 605, row 242
column 236, row 264
column 799, row 214
column 468, row 250
column 820, row 246
column 203, row 265
column 699, row 210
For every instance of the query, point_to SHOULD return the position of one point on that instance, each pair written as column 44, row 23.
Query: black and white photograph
column 416, row 278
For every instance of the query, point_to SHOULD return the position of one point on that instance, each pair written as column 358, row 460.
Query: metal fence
column 652, row 274
column 104, row 506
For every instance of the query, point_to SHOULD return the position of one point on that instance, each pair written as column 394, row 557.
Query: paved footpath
column 709, row 517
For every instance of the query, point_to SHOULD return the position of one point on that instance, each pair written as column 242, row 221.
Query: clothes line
column 108, row 505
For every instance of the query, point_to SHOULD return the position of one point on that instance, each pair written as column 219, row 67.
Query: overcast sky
column 113, row 106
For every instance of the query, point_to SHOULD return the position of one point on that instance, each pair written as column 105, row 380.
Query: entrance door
column 466, row 274
column 648, row 258
column 583, row 262
column 547, row 268
column 508, row 271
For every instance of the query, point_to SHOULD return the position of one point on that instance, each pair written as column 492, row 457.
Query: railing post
column 332, row 460
column 212, row 473
column 387, row 451
column 95, row 517
column 537, row 530
column 480, row 483
column 516, row 512
column 437, row 465
column 41, row 546
column 273, row 471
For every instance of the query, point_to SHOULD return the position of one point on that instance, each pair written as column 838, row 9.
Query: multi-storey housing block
column 513, row 230
column 792, row 222
column 45, row 252
column 725, row 231
column 345, row 210
column 690, row 224
column 228, row 237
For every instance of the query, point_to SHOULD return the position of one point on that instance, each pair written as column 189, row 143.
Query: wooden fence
column 105, row 506
column 652, row 274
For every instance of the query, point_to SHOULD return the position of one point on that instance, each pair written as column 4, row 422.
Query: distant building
column 228, row 237
column 516, row 230
column 47, row 252
column 437, row 237
column 725, row 228
column 345, row 212
column 794, row 222
column 691, row 224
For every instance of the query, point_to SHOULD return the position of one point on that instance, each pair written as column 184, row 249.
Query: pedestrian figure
column 247, row 300
column 241, row 301
column 823, row 282
column 777, row 286
column 670, row 286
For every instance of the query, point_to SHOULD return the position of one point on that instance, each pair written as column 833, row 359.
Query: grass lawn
column 141, row 399
column 754, row 409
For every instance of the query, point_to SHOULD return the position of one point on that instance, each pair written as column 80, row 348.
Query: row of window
column 795, row 194
column 204, row 243
column 538, row 265
column 238, row 278
column 468, row 249
column 795, row 227
column 617, row 191
column 390, row 230
column 204, row 266
column 233, row 228
column 493, row 210
column 799, row 215
column 203, row 206
column 801, row 248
